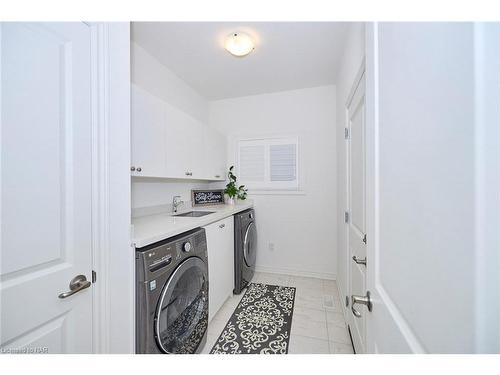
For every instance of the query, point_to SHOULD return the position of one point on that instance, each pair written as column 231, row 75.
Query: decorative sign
column 207, row 197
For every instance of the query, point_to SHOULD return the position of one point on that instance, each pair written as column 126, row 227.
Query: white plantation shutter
column 283, row 162
column 252, row 163
column 268, row 164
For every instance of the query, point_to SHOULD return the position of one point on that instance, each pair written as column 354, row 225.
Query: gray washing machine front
column 172, row 295
column 245, row 249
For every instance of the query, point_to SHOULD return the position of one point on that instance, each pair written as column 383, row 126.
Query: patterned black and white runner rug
column 260, row 324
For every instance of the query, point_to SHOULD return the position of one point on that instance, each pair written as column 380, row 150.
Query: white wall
column 154, row 77
column 352, row 59
column 153, row 192
column 301, row 227
column 117, row 282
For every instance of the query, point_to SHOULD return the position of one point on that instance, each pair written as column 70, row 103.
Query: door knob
column 359, row 261
column 77, row 284
column 362, row 300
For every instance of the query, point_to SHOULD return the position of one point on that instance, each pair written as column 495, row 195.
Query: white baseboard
column 295, row 272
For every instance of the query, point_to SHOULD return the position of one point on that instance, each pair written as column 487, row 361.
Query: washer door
column 250, row 245
column 182, row 313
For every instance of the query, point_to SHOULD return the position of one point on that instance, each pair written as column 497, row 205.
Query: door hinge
column 346, row 301
column 94, row 276
column 364, row 239
column 346, row 216
column 346, row 133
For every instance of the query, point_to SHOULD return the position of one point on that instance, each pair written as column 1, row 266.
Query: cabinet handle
column 132, row 168
column 139, row 169
column 217, row 176
column 189, row 173
column 222, row 226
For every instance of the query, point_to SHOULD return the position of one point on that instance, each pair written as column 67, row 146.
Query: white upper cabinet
column 215, row 153
column 148, row 134
column 177, row 150
column 168, row 143
column 184, row 151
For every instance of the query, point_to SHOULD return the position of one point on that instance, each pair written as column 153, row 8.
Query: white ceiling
column 288, row 55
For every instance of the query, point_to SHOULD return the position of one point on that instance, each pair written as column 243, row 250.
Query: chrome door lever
column 77, row 284
column 362, row 300
column 359, row 261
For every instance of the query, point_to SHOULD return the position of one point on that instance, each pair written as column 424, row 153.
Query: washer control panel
column 155, row 259
column 159, row 263
column 186, row 247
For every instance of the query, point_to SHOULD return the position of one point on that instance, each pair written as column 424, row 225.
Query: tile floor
column 318, row 325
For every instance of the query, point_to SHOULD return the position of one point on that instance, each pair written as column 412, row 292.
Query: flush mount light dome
column 239, row 44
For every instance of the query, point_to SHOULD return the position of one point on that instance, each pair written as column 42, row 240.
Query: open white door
column 45, row 188
column 356, row 123
column 423, row 263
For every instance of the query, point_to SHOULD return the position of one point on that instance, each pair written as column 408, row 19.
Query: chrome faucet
column 176, row 202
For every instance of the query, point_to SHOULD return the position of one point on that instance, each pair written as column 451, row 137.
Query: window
column 268, row 164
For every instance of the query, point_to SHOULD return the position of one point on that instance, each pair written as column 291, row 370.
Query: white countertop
column 153, row 228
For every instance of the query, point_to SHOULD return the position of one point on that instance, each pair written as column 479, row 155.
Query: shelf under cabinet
column 173, row 178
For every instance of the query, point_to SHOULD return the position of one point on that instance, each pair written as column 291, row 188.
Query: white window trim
column 269, row 187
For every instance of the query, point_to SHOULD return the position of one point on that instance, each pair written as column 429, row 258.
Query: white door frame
column 111, row 212
column 100, row 188
column 487, row 57
column 347, row 304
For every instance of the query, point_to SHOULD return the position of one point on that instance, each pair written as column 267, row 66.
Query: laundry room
column 197, row 127
column 248, row 181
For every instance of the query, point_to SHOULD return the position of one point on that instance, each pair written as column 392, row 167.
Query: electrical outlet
column 271, row 246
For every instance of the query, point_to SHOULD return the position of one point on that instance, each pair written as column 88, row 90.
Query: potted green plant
column 232, row 190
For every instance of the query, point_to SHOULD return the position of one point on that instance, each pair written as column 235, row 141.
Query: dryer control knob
column 186, row 247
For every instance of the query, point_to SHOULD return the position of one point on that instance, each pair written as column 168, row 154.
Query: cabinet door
column 177, row 141
column 148, row 134
column 220, row 240
column 214, row 146
column 197, row 153
column 184, row 141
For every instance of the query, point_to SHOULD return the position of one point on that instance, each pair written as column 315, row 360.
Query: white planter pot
column 230, row 201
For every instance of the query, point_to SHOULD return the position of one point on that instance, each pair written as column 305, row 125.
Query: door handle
column 77, row 284
column 359, row 261
column 362, row 300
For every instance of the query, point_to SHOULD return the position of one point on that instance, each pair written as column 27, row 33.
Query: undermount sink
column 195, row 213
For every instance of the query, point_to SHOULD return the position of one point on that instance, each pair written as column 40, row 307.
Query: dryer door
column 250, row 245
column 182, row 314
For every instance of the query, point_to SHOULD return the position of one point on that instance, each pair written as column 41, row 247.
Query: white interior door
column 357, row 209
column 45, row 186
column 423, row 262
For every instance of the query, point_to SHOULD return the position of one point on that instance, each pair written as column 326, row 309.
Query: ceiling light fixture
column 239, row 44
